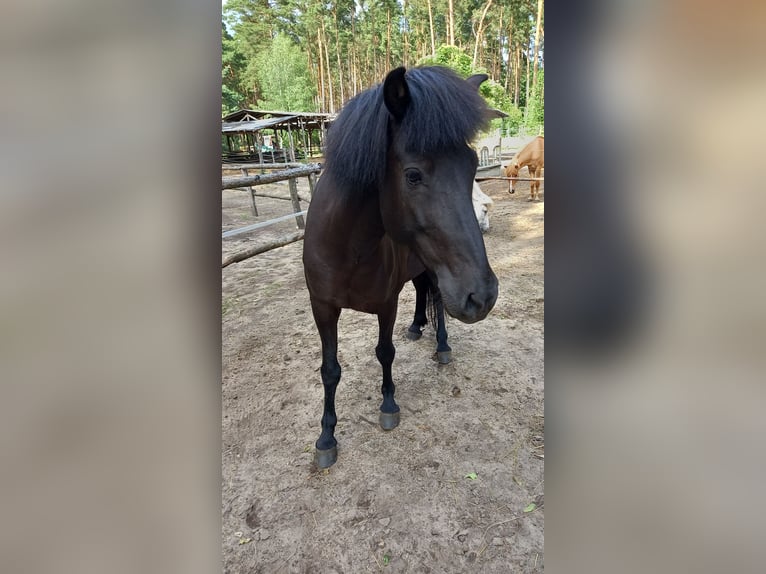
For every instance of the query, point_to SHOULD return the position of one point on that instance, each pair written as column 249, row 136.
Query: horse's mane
column 445, row 112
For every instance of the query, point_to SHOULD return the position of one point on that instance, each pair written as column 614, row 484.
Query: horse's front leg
column 326, row 318
column 385, row 351
column 533, row 185
column 443, row 350
column 421, row 283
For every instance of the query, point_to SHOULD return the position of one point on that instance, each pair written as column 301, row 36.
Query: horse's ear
column 477, row 80
column 396, row 94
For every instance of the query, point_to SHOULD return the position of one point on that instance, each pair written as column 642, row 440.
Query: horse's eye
column 413, row 177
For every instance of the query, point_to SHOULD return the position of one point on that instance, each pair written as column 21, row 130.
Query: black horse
column 395, row 200
column 428, row 298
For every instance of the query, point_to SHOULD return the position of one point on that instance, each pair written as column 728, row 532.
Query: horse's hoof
column 443, row 357
column 326, row 458
column 389, row 421
column 413, row 335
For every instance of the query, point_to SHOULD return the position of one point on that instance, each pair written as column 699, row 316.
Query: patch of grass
column 270, row 289
column 228, row 304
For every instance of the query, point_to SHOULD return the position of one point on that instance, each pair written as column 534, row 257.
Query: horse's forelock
column 445, row 112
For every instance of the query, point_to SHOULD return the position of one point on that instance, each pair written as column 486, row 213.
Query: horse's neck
column 364, row 225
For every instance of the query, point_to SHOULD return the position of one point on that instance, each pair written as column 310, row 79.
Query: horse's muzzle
column 478, row 303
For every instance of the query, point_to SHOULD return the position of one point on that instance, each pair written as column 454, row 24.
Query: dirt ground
column 398, row 501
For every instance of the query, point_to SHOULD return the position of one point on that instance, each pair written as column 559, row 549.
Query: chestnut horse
column 395, row 200
column 533, row 157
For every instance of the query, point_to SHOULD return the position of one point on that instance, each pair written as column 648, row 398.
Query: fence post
column 312, row 183
column 296, row 202
column 252, row 194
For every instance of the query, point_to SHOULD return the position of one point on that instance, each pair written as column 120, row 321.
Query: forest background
column 311, row 56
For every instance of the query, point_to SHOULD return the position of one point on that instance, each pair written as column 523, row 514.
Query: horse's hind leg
column 326, row 318
column 533, row 184
column 443, row 350
column 538, row 173
column 421, row 283
column 385, row 351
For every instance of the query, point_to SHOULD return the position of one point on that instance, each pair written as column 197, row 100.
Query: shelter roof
column 254, row 120
column 254, row 125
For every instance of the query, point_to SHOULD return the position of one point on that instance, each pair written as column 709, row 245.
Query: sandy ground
column 398, row 501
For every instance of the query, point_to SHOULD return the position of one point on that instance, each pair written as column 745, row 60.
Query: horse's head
column 481, row 206
column 426, row 201
column 512, row 170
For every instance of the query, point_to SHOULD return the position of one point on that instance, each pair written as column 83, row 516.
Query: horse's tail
column 433, row 299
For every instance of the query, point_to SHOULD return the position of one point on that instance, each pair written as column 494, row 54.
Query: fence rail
column 509, row 179
column 292, row 171
column 260, row 225
column 261, row 178
column 484, row 178
column 261, row 248
column 247, row 181
column 254, row 166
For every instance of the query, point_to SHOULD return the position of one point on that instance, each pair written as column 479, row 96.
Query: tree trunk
column 354, row 58
column 327, row 63
column 312, row 72
column 337, row 54
column 516, row 76
column 321, row 73
column 431, row 24
column 526, row 95
column 497, row 55
column 511, row 53
column 451, row 24
column 388, row 39
column 480, row 31
column 537, row 43
column 405, row 37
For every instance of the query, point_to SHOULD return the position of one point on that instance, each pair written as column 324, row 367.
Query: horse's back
column 535, row 152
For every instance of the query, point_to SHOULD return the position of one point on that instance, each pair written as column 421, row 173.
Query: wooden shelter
column 244, row 140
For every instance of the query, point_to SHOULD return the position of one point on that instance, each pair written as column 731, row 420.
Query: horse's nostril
column 473, row 303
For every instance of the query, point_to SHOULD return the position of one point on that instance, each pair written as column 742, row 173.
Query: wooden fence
column 247, row 181
column 508, row 179
column 290, row 171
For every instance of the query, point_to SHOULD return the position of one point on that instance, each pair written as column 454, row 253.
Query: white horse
column 481, row 206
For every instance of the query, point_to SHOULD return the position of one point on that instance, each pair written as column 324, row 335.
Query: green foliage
column 233, row 65
column 251, row 23
column 284, row 78
column 497, row 97
column 535, row 112
column 346, row 46
column 515, row 118
column 451, row 57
